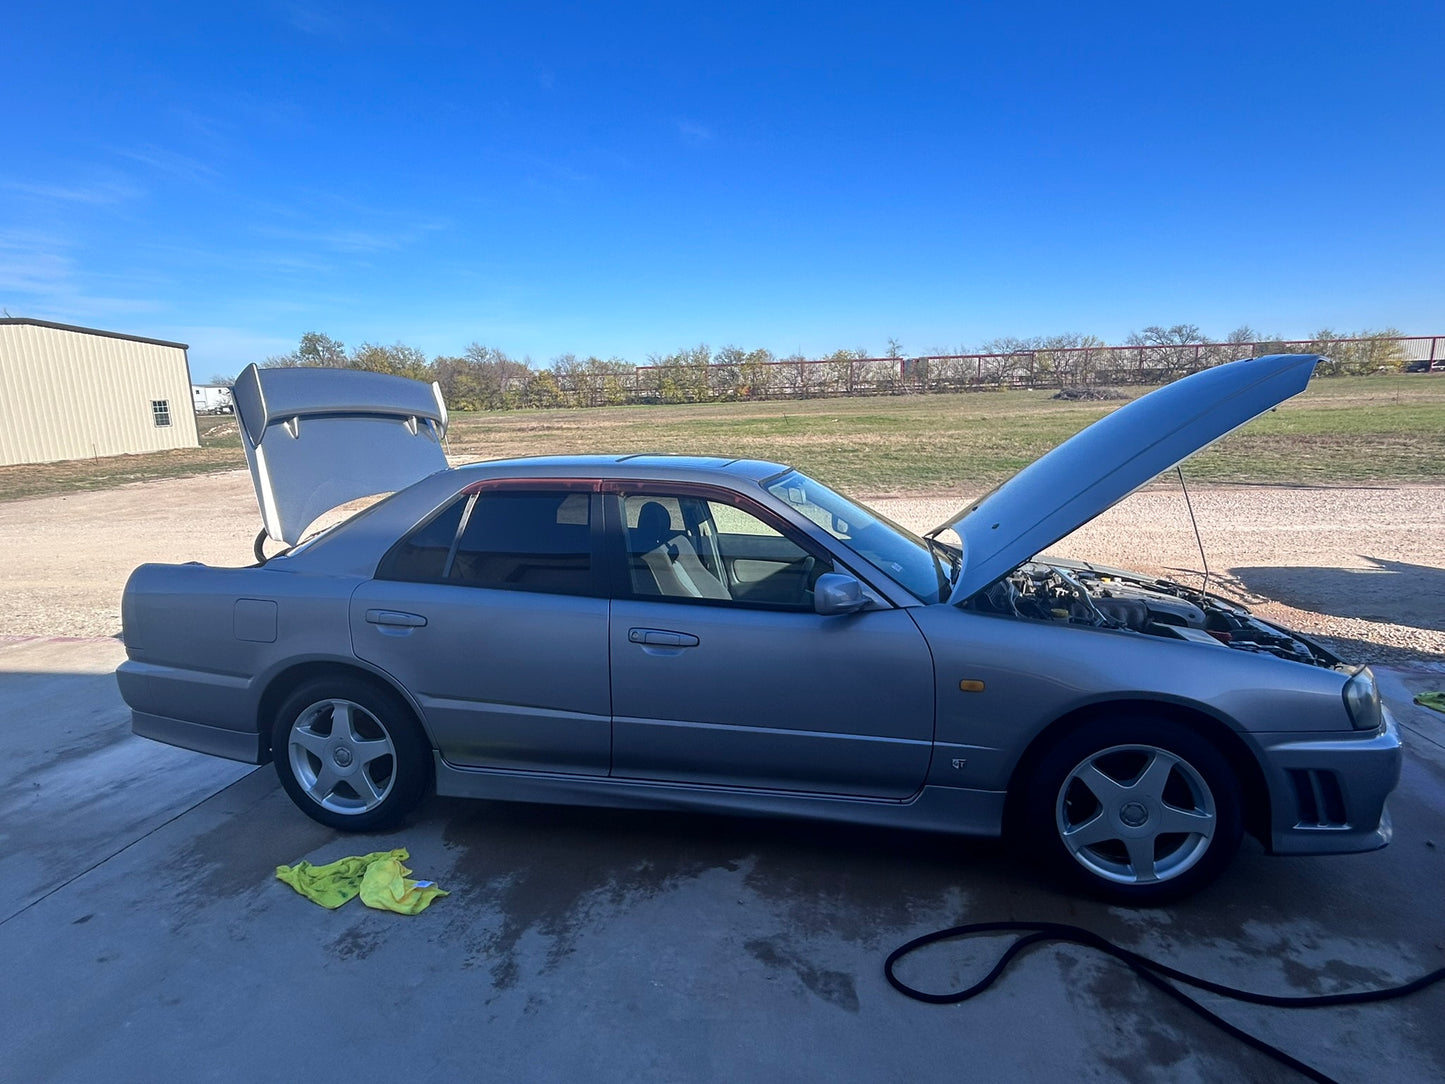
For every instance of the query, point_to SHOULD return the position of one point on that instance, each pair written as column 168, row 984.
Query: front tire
column 350, row 754
column 1140, row 811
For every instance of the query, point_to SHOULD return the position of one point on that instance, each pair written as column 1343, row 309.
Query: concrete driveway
column 144, row 936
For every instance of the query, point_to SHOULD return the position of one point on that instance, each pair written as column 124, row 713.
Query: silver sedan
column 709, row 633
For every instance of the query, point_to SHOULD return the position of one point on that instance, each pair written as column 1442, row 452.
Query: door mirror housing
column 837, row 593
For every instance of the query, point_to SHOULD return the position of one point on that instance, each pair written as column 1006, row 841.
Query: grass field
column 1340, row 431
column 1347, row 430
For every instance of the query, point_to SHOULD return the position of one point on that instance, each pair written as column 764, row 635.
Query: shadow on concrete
column 1391, row 591
column 1352, row 650
column 76, row 786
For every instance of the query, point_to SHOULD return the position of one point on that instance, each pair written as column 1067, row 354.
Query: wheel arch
column 287, row 680
column 1241, row 759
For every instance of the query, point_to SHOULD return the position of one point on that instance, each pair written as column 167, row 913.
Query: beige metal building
column 75, row 392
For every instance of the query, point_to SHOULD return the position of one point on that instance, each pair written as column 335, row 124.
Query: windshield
column 926, row 568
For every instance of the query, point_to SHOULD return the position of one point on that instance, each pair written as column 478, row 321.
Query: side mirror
column 836, row 593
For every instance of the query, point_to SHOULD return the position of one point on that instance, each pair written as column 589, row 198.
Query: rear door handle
column 396, row 619
column 661, row 638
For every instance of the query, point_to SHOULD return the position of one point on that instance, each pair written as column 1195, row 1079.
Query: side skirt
column 936, row 809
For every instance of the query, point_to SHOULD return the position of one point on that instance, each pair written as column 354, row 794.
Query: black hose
column 1152, row 972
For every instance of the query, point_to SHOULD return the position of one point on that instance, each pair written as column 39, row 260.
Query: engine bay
column 1081, row 594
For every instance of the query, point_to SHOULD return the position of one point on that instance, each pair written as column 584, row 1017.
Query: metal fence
column 1036, row 368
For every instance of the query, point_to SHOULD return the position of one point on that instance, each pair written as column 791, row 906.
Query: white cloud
column 96, row 193
column 352, row 241
column 167, row 162
column 694, row 134
column 41, row 280
column 320, row 20
column 338, row 22
column 32, row 263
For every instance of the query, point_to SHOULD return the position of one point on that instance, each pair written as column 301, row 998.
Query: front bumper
column 1327, row 794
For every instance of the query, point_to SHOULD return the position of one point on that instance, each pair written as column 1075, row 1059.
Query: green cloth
column 1431, row 700
column 337, row 882
column 386, row 887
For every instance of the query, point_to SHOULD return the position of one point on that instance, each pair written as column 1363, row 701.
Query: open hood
column 317, row 438
column 1104, row 463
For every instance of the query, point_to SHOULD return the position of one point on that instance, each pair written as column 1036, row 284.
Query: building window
column 161, row 409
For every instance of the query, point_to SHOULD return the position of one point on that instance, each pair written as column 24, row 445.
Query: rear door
column 494, row 617
column 722, row 673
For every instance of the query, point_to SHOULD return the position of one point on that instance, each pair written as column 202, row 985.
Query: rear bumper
column 193, row 709
column 1328, row 795
column 231, row 744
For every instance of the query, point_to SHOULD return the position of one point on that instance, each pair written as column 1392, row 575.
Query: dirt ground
column 1361, row 568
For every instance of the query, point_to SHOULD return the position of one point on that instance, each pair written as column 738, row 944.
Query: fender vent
column 1319, row 798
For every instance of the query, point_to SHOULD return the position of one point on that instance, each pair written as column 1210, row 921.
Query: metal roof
column 92, row 331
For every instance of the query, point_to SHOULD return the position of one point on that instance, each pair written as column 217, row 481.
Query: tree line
column 485, row 378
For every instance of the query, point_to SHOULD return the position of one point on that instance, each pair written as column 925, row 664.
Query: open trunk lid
column 317, row 438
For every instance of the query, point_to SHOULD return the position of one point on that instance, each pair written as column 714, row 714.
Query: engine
column 1107, row 598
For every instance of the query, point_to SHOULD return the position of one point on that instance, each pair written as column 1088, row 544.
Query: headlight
column 1362, row 700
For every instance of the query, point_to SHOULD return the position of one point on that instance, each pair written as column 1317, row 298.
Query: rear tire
column 350, row 754
column 1138, row 810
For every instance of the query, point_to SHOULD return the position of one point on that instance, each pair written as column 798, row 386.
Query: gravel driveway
column 1363, row 569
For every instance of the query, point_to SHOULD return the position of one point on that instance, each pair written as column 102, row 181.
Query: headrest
column 654, row 524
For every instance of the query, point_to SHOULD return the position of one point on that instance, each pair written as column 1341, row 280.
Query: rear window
column 528, row 542
column 510, row 540
column 423, row 554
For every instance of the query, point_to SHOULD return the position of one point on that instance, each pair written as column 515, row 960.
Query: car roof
column 673, row 467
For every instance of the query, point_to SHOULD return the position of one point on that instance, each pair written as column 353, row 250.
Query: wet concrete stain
column 1147, row 1035
column 546, row 870
column 1230, row 935
column 92, row 741
column 357, row 943
column 835, row 987
column 1333, row 976
column 524, row 871
column 873, row 887
column 211, row 868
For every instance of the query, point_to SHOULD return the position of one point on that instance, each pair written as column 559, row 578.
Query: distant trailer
column 77, row 392
column 212, row 399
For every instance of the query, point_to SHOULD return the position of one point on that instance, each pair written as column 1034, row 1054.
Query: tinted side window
column 527, row 542
column 423, row 555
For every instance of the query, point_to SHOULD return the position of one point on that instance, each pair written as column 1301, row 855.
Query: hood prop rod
column 1204, row 587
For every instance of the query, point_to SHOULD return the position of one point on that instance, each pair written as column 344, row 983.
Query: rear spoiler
column 317, row 438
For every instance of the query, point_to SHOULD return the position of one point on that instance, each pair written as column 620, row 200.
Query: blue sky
column 569, row 178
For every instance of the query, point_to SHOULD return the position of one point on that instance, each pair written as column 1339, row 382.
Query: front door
column 723, row 674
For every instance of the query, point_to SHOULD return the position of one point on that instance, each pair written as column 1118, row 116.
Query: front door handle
column 661, row 638
column 395, row 619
